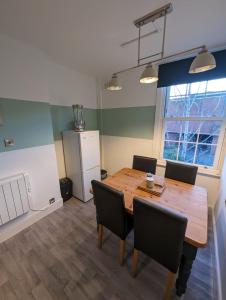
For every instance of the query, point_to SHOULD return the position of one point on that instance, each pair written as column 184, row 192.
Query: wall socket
column 51, row 201
column 9, row 142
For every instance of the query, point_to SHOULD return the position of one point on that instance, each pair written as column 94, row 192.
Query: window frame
column 159, row 135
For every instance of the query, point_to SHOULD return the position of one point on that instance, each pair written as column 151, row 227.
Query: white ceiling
column 86, row 34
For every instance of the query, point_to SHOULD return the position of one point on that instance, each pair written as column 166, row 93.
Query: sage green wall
column 62, row 119
column 33, row 124
column 27, row 122
column 134, row 122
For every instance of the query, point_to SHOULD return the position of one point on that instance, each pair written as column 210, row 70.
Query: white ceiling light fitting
column 204, row 61
column 113, row 84
column 149, row 75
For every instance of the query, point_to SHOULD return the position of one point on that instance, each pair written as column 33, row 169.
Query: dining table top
column 190, row 200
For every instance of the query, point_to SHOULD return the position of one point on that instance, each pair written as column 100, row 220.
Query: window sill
column 201, row 171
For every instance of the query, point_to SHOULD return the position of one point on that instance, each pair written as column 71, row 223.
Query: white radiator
column 14, row 197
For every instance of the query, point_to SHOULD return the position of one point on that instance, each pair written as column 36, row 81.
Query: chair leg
column 169, row 286
column 100, row 236
column 134, row 262
column 121, row 252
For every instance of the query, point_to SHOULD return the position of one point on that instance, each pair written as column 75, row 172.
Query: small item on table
column 149, row 181
column 153, row 186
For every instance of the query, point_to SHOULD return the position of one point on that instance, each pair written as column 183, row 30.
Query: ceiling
column 86, row 34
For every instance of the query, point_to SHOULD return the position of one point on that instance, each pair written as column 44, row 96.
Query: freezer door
column 88, row 176
column 90, row 149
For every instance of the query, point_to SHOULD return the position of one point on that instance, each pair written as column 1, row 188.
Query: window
column 194, row 122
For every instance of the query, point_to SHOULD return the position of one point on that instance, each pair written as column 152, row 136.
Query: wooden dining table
column 189, row 200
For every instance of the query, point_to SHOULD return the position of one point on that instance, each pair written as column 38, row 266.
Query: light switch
column 9, row 142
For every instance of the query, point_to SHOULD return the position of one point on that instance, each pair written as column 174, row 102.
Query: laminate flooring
column 57, row 258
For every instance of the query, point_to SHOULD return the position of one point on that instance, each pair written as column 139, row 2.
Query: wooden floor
column 57, row 258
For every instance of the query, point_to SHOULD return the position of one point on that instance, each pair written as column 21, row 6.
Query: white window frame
column 159, row 138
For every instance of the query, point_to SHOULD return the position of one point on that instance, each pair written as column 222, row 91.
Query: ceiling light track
column 204, row 61
column 165, row 59
column 149, row 56
column 142, row 37
column 154, row 15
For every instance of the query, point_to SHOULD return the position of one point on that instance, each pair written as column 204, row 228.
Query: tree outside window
column 193, row 121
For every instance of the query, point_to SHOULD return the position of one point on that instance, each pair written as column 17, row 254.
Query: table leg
column 188, row 256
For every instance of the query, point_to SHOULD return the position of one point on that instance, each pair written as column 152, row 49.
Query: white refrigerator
column 82, row 160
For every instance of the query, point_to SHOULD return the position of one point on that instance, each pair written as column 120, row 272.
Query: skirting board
column 219, row 282
column 28, row 221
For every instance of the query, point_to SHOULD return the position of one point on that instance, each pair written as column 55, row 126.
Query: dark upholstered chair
column 111, row 214
column 181, row 172
column 145, row 164
column 158, row 232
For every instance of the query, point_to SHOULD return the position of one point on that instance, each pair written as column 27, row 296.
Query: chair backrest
column 110, row 208
column 181, row 172
column 159, row 233
column 145, row 164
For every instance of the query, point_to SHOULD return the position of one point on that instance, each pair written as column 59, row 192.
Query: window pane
column 208, row 139
column 190, row 130
column 197, row 99
column 209, row 132
column 176, row 107
column 170, row 150
column 173, row 130
column 217, row 85
column 187, row 152
column 209, row 105
column 198, row 87
column 178, row 90
column 205, row 155
column 189, row 135
column 185, row 131
column 188, row 139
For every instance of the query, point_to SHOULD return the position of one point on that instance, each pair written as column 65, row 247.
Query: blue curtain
column 177, row 72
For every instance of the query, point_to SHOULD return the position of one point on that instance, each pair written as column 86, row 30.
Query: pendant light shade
column 149, row 75
column 204, row 61
column 113, row 85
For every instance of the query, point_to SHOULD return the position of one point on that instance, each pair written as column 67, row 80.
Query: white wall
column 132, row 94
column 60, row 158
column 27, row 73
column 40, row 164
column 67, row 87
column 119, row 151
column 22, row 71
